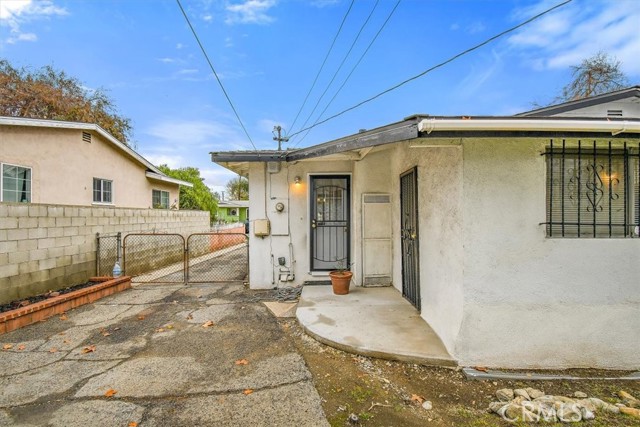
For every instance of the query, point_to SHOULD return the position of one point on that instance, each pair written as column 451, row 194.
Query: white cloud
column 16, row 13
column 250, row 12
column 267, row 125
column 188, row 71
column 207, row 18
column 173, row 162
column 177, row 135
column 478, row 76
column 475, row 27
column 216, row 178
column 324, row 3
column 579, row 30
column 167, row 60
column 179, row 46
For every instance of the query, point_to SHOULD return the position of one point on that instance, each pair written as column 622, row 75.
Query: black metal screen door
column 329, row 222
column 409, row 237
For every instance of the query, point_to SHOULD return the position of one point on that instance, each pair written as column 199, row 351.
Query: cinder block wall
column 48, row 247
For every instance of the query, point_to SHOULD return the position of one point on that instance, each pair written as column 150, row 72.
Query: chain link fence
column 169, row 258
column 217, row 257
column 154, row 257
column 107, row 252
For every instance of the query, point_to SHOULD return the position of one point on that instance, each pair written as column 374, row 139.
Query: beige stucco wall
column 494, row 288
column 63, row 167
column 533, row 301
column 289, row 229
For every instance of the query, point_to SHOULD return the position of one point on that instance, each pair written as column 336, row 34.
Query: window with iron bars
column 593, row 189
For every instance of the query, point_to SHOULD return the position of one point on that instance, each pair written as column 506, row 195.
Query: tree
column 594, row 76
column 238, row 188
column 48, row 93
column 199, row 197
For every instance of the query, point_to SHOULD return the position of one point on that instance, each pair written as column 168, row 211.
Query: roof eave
column 164, row 178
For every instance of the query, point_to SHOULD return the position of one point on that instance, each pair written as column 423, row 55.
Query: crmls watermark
column 548, row 412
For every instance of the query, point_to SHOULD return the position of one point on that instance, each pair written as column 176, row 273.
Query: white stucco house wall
column 517, row 238
column 81, row 164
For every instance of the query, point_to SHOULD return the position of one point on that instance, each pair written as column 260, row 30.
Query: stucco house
column 70, row 163
column 230, row 211
column 516, row 238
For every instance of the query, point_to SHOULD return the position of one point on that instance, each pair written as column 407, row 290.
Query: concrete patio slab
column 374, row 322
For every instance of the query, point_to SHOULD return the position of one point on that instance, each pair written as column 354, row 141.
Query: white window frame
column 162, row 192
column 101, row 201
column 2, row 165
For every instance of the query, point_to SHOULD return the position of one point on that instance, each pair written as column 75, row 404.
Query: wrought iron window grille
column 593, row 190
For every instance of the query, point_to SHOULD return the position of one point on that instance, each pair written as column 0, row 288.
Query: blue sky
column 267, row 53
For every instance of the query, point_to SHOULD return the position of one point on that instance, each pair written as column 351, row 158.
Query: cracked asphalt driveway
column 143, row 357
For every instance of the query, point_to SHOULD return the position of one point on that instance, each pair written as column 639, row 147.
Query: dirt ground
column 387, row 393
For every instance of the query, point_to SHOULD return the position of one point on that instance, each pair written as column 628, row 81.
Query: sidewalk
column 143, row 356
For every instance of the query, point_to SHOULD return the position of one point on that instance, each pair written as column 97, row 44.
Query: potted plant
column 340, row 279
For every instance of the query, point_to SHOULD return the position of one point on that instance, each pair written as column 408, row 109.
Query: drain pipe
column 470, row 124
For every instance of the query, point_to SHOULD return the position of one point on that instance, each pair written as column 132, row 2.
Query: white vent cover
column 376, row 239
column 376, row 198
column 273, row 167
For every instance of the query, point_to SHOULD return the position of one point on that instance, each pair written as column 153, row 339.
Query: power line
column 216, row 74
column 355, row 40
column 323, row 63
column 453, row 58
column 352, row 70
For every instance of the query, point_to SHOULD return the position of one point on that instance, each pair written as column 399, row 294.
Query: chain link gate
column 156, row 258
column 107, row 252
column 217, row 257
column 201, row 258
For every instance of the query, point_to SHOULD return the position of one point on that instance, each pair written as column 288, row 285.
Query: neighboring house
column 230, row 211
column 516, row 238
column 69, row 163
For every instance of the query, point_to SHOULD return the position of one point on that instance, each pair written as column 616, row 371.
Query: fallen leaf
column 242, row 362
column 208, row 324
column 169, row 326
column 189, row 317
column 63, row 317
column 416, row 398
column 24, row 303
column 106, row 333
column 21, row 347
column 88, row 349
column 116, row 329
column 248, row 391
column 110, row 392
column 159, row 330
column 133, row 424
column 141, row 317
column 481, row 368
column 53, row 350
column 7, row 346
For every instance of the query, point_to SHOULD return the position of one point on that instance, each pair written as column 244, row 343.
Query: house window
column 593, row 190
column 16, row 183
column 160, row 199
column 102, row 190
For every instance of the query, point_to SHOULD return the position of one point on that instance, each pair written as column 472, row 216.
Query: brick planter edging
column 32, row 313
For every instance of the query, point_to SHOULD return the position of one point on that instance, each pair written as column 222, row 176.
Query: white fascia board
column 21, row 121
column 615, row 127
column 164, row 178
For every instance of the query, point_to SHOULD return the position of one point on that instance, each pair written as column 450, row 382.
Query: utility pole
column 279, row 138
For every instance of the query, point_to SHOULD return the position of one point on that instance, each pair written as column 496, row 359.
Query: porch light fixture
column 296, row 180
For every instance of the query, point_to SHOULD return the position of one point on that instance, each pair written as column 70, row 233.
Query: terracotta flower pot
column 340, row 281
